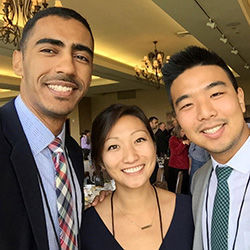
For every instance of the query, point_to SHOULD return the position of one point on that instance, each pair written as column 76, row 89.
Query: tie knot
column 223, row 173
column 56, row 145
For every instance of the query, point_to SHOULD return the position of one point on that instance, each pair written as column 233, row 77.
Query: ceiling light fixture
column 151, row 66
column 183, row 33
column 234, row 51
column 246, row 66
column 211, row 24
column 15, row 14
column 223, row 39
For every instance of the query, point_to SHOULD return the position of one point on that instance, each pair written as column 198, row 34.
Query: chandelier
column 16, row 13
column 151, row 66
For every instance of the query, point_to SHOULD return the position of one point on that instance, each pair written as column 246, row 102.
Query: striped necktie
column 220, row 217
column 64, row 197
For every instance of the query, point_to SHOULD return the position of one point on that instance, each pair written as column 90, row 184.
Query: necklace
column 144, row 227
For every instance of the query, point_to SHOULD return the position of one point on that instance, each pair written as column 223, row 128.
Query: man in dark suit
column 55, row 63
column 162, row 139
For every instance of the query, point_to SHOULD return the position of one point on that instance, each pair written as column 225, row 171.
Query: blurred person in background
column 198, row 157
column 85, row 144
column 153, row 121
column 178, row 161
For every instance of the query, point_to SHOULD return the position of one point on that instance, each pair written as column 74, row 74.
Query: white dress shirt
column 237, row 185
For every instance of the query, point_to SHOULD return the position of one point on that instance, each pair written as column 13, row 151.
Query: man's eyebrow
column 208, row 87
column 180, row 99
column 75, row 47
column 50, row 41
column 80, row 47
column 214, row 84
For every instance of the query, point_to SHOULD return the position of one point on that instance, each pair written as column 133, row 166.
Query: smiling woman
column 136, row 215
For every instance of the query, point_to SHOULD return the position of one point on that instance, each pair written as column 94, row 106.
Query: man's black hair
column 188, row 58
column 52, row 11
column 150, row 119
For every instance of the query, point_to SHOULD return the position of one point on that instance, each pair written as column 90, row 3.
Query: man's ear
column 240, row 94
column 17, row 62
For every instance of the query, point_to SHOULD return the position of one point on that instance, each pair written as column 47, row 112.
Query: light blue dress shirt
column 237, row 181
column 39, row 137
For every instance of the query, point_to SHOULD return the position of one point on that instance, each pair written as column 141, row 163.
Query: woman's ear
column 102, row 166
column 17, row 62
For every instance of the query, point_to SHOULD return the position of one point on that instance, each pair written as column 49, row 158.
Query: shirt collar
column 241, row 160
column 38, row 135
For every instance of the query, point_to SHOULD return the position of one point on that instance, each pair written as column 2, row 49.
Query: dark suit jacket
column 22, row 219
column 162, row 139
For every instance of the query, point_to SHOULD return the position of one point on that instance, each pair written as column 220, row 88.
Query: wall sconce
column 211, row 24
column 234, row 51
column 246, row 66
column 223, row 39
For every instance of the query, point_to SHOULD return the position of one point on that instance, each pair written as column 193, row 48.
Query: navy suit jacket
column 22, row 219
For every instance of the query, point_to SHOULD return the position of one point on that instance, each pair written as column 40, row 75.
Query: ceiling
column 124, row 32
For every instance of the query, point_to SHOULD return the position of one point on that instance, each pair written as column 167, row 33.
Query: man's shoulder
column 71, row 142
column 9, row 117
column 204, row 169
column 7, row 107
column 201, row 175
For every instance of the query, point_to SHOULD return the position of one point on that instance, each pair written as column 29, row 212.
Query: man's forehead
column 53, row 22
column 199, row 77
column 47, row 27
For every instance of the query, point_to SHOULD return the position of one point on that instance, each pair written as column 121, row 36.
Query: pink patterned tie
column 64, row 197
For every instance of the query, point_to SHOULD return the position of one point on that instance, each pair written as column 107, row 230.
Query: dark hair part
column 150, row 119
column 104, row 122
column 188, row 58
column 52, row 11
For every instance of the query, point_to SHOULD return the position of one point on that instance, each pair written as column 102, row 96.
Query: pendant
column 147, row 226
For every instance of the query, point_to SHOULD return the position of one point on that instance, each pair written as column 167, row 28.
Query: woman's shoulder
column 98, row 213
column 167, row 199
column 175, row 203
column 99, row 208
column 166, row 195
column 103, row 207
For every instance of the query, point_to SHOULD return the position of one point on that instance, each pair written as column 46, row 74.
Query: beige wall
column 153, row 103
column 75, row 124
column 85, row 117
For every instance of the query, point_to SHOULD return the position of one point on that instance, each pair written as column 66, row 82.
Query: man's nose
column 206, row 110
column 66, row 64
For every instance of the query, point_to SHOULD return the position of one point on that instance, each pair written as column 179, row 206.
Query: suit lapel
column 25, row 169
column 75, row 155
column 199, row 186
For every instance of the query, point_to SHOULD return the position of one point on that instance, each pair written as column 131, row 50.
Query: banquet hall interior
column 126, row 31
